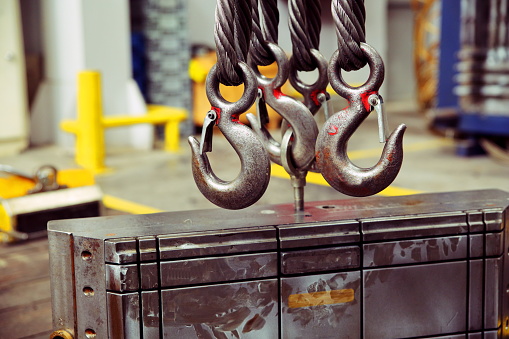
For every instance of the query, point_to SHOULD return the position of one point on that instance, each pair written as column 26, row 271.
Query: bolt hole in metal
column 61, row 334
column 88, row 291
column 328, row 207
column 86, row 255
column 89, row 333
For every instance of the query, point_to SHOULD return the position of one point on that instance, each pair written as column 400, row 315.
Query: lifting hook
column 331, row 154
column 294, row 112
column 253, row 179
column 315, row 95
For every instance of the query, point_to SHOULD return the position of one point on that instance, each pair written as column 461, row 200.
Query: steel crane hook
column 254, row 175
column 294, row 112
column 315, row 95
column 331, row 154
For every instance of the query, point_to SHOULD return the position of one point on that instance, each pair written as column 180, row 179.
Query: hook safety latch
column 261, row 109
column 206, row 132
column 376, row 101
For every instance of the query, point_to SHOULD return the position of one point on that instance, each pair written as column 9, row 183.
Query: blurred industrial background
column 144, row 62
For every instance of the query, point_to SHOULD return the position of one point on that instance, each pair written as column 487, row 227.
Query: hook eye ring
column 283, row 68
column 375, row 79
column 320, row 83
column 246, row 100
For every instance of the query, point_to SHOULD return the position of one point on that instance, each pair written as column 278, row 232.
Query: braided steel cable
column 350, row 17
column 265, row 29
column 305, row 26
column 232, row 34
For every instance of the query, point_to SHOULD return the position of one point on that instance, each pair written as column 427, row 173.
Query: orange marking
column 321, row 298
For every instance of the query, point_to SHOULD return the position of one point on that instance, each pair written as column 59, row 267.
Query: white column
column 13, row 96
column 79, row 35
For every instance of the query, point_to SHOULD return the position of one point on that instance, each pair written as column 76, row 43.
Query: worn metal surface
column 236, row 310
column 430, row 297
column 429, row 265
column 329, row 317
column 331, row 145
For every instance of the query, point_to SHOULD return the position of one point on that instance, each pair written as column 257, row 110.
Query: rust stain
column 321, row 298
column 413, row 202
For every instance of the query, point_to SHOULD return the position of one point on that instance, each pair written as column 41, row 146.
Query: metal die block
column 475, row 221
column 476, row 245
column 494, row 219
column 148, row 248
column 321, row 306
column 90, row 288
column 476, row 295
column 492, row 335
column 322, row 234
column 150, row 312
column 414, row 301
column 414, row 226
column 494, row 244
column 61, row 262
column 120, row 251
column 492, row 290
column 320, row 260
column 246, row 310
column 122, row 278
column 415, row 251
column 432, row 266
column 217, row 242
column 149, row 276
column 218, row 269
column 124, row 316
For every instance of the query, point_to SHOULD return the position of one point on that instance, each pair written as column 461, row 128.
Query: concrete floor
column 164, row 181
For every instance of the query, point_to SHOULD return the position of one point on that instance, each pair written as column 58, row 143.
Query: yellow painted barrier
column 90, row 123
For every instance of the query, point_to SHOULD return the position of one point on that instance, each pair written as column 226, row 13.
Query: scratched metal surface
column 256, row 216
column 429, row 265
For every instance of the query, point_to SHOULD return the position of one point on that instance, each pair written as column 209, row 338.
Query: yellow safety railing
column 90, row 124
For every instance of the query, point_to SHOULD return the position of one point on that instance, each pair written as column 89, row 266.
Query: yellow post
column 172, row 136
column 90, row 144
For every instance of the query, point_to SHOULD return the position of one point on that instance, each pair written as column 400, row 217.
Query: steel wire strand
column 243, row 28
column 232, row 33
column 305, row 26
column 349, row 18
column 264, row 28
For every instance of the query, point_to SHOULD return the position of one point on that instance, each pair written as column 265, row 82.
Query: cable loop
column 232, row 35
column 305, row 26
column 350, row 17
column 265, row 29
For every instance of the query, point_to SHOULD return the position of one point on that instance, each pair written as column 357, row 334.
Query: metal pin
column 324, row 99
column 376, row 102
column 206, row 132
column 298, row 177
